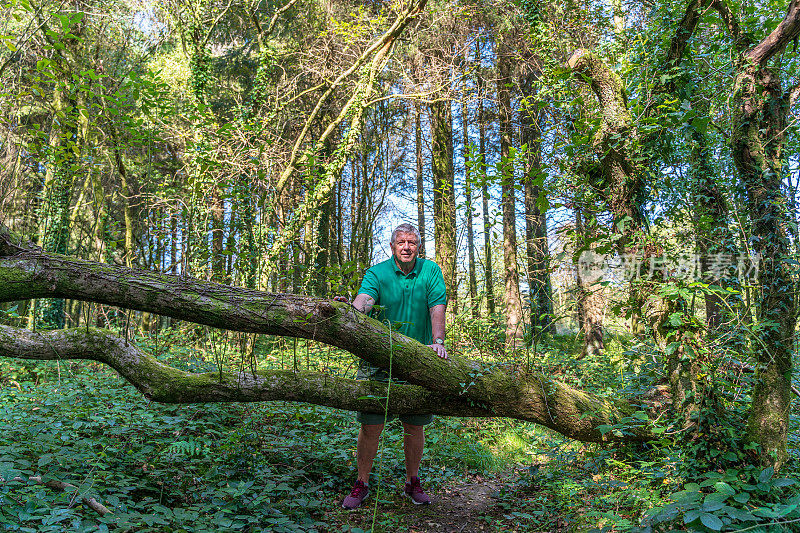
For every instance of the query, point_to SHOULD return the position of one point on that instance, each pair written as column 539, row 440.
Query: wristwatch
column 439, row 340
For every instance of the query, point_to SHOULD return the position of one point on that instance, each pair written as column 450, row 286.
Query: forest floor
column 285, row 467
column 467, row 506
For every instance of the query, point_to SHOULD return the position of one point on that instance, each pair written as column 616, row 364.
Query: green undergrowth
column 209, row 467
column 286, row 466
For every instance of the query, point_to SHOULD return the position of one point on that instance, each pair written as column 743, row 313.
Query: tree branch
column 775, row 42
column 55, row 484
column 546, row 402
column 403, row 19
column 686, row 29
column 730, row 21
column 454, row 386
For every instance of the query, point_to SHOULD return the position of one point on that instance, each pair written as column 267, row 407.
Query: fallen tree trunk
column 449, row 387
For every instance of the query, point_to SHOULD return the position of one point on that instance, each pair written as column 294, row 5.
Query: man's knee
column 412, row 429
column 371, row 431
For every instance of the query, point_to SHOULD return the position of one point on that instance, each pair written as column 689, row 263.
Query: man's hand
column 440, row 350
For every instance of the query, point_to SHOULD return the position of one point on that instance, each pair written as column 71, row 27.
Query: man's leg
column 367, row 448
column 413, row 445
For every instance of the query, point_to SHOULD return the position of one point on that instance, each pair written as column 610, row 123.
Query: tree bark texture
column 536, row 245
column 444, row 196
column 615, row 147
column 760, row 108
column 614, row 144
column 513, row 300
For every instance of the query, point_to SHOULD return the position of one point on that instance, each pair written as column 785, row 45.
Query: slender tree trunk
column 487, row 217
column 60, row 160
column 468, row 178
column 513, row 301
column 420, row 177
column 444, row 202
column 537, row 248
column 323, row 243
column 715, row 242
column 217, row 209
column 591, row 301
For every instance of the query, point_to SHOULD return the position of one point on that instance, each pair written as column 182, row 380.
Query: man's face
column 405, row 248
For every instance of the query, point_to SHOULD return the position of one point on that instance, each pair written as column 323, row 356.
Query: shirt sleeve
column 370, row 285
column 437, row 294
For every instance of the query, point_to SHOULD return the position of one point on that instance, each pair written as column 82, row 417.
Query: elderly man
column 411, row 294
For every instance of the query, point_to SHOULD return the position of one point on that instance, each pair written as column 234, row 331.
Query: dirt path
column 470, row 506
column 457, row 509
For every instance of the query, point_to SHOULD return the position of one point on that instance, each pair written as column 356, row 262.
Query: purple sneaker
column 358, row 494
column 415, row 493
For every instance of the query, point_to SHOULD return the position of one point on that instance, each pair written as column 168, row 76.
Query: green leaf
column 691, row 516
column 740, row 515
column 766, row 513
column 766, row 474
column 724, row 488
column 709, row 506
column 742, row 497
column 711, row 521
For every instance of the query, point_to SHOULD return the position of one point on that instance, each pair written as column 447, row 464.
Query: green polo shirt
column 405, row 300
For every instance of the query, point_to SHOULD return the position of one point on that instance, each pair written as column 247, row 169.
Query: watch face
column 439, row 341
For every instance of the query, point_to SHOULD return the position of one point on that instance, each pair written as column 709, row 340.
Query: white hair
column 406, row 228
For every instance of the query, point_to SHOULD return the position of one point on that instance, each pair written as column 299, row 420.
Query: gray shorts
column 375, row 373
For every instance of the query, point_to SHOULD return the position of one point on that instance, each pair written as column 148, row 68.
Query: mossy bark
column 617, row 149
column 757, row 143
column 760, row 108
column 535, row 398
column 515, row 327
column 455, row 386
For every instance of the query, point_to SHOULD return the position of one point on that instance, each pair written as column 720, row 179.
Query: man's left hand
column 440, row 350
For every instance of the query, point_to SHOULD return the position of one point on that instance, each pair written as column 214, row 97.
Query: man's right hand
column 440, row 350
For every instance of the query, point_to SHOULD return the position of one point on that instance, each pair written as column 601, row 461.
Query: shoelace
column 357, row 490
column 416, row 488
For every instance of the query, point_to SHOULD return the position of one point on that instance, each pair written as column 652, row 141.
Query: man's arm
column 437, row 327
column 363, row 303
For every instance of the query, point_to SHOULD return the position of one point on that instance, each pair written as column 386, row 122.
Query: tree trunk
column 513, row 302
column 444, row 200
column 614, row 144
column 420, row 177
column 217, row 209
column 473, row 281
column 487, row 217
column 760, row 109
column 537, row 248
column 590, row 296
column 715, row 242
column 61, row 159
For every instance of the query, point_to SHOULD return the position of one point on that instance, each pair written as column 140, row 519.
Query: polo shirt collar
column 415, row 271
